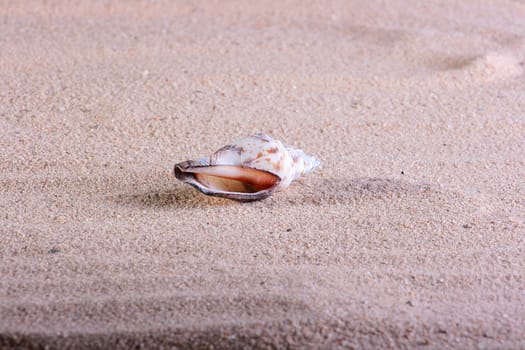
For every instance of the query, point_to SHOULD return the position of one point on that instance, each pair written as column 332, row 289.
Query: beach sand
column 410, row 235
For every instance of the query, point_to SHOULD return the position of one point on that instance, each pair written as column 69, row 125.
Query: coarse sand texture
column 410, row 235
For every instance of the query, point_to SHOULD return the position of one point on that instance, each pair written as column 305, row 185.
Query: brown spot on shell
column 277, row 166
column 273, row 150
column 248, row 161
column 227, row 148
column 259, row 155
column 262, row 137
column 233, row 148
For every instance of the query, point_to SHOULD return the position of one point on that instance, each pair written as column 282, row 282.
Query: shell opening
column 230, row 178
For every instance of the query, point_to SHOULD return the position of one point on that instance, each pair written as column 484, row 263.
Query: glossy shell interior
column 228, row 181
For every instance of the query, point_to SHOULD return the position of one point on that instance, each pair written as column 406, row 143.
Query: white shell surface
column 302, row 162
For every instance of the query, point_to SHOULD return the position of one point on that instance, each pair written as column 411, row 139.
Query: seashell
column 247, row 170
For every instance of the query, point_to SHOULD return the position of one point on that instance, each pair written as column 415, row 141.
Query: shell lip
column 238, row 196
column 181, row 172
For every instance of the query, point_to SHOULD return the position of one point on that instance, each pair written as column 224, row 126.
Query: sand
column 410, row 235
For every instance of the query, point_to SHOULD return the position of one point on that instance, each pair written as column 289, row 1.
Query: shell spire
column 249, row 169
column 303, row 163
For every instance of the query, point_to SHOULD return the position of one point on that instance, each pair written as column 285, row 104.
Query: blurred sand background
column 410, row 235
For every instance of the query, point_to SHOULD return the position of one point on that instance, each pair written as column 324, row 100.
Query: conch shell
column 247, row 170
